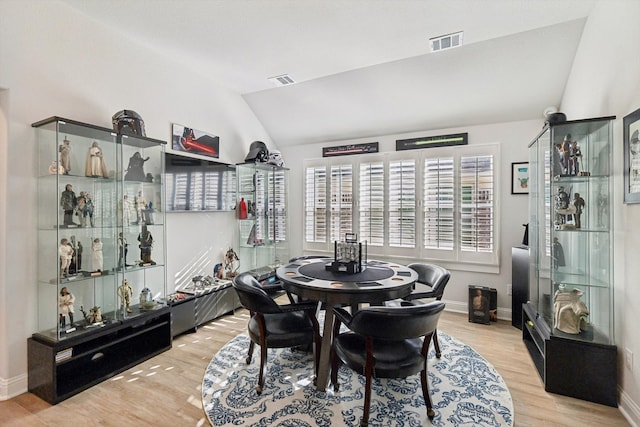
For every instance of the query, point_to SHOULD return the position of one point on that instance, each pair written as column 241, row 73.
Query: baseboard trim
column 629, row 409
column 13, row 387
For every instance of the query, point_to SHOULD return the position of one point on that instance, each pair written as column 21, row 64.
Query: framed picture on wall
column 520, row 178
column 631, row 125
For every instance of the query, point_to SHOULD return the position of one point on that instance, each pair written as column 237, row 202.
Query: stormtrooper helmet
column 275, row 158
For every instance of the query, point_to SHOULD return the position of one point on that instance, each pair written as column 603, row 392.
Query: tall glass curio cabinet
column 568, row 325
column 101, row 261
column 262, row 208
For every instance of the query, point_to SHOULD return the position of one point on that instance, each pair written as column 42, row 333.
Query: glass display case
column 262, row 216
column 568, row 322
column 100, row 254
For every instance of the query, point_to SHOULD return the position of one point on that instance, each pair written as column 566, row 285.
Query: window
column 436, row 204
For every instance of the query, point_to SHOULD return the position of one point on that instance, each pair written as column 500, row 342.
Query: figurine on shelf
column 94, row 316
column 135, row 170
column 125, row 293
column 55, row 168
column 65, row 302
column 557, row 254
column 575, row 158
column 65, row 155
column 95, row 165
column 146, row 244
column 578, row 202
column 122, row 251
column 562, row 206
column 242, row 209
column 80, row 207
column 68, row 202
column 565, row 154
column 66, row 253
column 74, row 266
column 141, row 204
column 77, row 252
column 88, row 209
column 231, row 263
column 569, row 311
column 96, row 247
column 127, row 210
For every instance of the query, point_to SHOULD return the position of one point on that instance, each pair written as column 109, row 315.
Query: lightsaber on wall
column 432, row 141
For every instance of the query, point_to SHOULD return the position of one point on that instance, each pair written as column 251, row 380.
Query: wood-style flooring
column 166, row 390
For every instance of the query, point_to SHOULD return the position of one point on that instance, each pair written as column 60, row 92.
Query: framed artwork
column 631, row 125
column 520, row 178
column 194, row 141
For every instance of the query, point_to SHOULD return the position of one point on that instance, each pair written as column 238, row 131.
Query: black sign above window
column 348, row 150
column 432, row 141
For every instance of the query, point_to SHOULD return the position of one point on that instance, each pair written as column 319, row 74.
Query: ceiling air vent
column 282, row 80
column 446, row 42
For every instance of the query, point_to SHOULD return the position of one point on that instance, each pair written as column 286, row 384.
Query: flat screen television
column 197, row 185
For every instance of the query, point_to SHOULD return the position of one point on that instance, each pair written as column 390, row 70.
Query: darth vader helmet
column 275, row 158
column 128, row 122
column 257, row 152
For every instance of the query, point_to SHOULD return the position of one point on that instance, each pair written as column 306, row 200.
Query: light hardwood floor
column 166, row 390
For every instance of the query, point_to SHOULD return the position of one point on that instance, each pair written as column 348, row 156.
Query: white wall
column 605, row 81
column 513, row 138
column 54, row 61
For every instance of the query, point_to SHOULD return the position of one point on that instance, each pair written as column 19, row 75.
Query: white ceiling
column 363, row 67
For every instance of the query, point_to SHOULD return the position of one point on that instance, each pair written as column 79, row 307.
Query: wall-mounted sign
column 432, row 141
column 348, row 150
column 195, row 141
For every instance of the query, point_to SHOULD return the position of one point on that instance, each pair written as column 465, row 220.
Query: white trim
column 12, row 387
column 629, row 409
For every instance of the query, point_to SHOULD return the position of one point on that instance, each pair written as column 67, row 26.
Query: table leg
column 324, row 367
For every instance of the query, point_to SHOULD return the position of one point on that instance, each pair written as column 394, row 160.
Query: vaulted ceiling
column 364, row 67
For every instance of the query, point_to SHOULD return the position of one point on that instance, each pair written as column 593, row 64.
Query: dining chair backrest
column 252, row 296
column 432, row 275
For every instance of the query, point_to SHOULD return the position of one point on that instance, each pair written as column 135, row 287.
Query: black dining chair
column 385, row 342
column 432, row 280
column 276, row 326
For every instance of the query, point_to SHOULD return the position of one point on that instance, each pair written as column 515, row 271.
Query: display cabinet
column 568, row 323
column 262, row 216
column 100, row 253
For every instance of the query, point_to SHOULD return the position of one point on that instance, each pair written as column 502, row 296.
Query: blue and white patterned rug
column 465, row 390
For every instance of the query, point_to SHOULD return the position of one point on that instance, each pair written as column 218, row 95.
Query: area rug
column 465, row 390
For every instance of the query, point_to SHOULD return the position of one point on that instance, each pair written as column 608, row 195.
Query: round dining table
column 312, row 279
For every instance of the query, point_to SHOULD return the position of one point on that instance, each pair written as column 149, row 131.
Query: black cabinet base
column 570, row 367
column 59, row 370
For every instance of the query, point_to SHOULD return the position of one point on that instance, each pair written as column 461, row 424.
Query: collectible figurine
column 127, row 210
column 95, row 165
column 80, row 208
column 66, row 253
column 65, row 155
column 562, row 204
column 575, row 158
column 125, row 292
column 141, row 204
column 557, row 254
column 123, row 249
column 88, row 209
column 77, row 252
column 146, row 244
column 94, row 316
column 578, row 202
column 565, row 153
column 135, row 170
column 55, row 168
column 65, row 302
column 569, row 311
column 96, row 247
column 68, row 203
column 231, row 264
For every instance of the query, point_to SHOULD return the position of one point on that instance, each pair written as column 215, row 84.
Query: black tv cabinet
column 61, row 369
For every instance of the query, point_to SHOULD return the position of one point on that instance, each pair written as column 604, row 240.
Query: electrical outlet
column 628, row 358
column 509, row 289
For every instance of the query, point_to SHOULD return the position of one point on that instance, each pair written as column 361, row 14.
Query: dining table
column 314, row 279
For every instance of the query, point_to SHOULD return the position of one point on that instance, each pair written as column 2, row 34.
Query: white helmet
column 275, row 158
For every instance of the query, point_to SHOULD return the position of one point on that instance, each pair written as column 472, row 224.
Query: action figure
column 123, row 249
column 96, row 247
column 88, row 209
column 68, row 203
column 230, row 265
column 65, row 156
column 565, row 154
column 125, row 292
column 557, row 254
column 65, row 302
column 95, row 165
column 141, row 204
column 81, row 206
column 575, row 158
column 562, row 203
column 146, row 244
column 569, row 311
column 66, row 253
column 135, row 170
column 127, row 209
column 578, row 202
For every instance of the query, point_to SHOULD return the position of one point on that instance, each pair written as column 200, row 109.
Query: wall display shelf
column 262, row 215
column 568, row 323
column 101, row 256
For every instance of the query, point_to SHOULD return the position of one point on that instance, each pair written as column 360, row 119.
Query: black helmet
column 128, row 122
column 257, row 152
